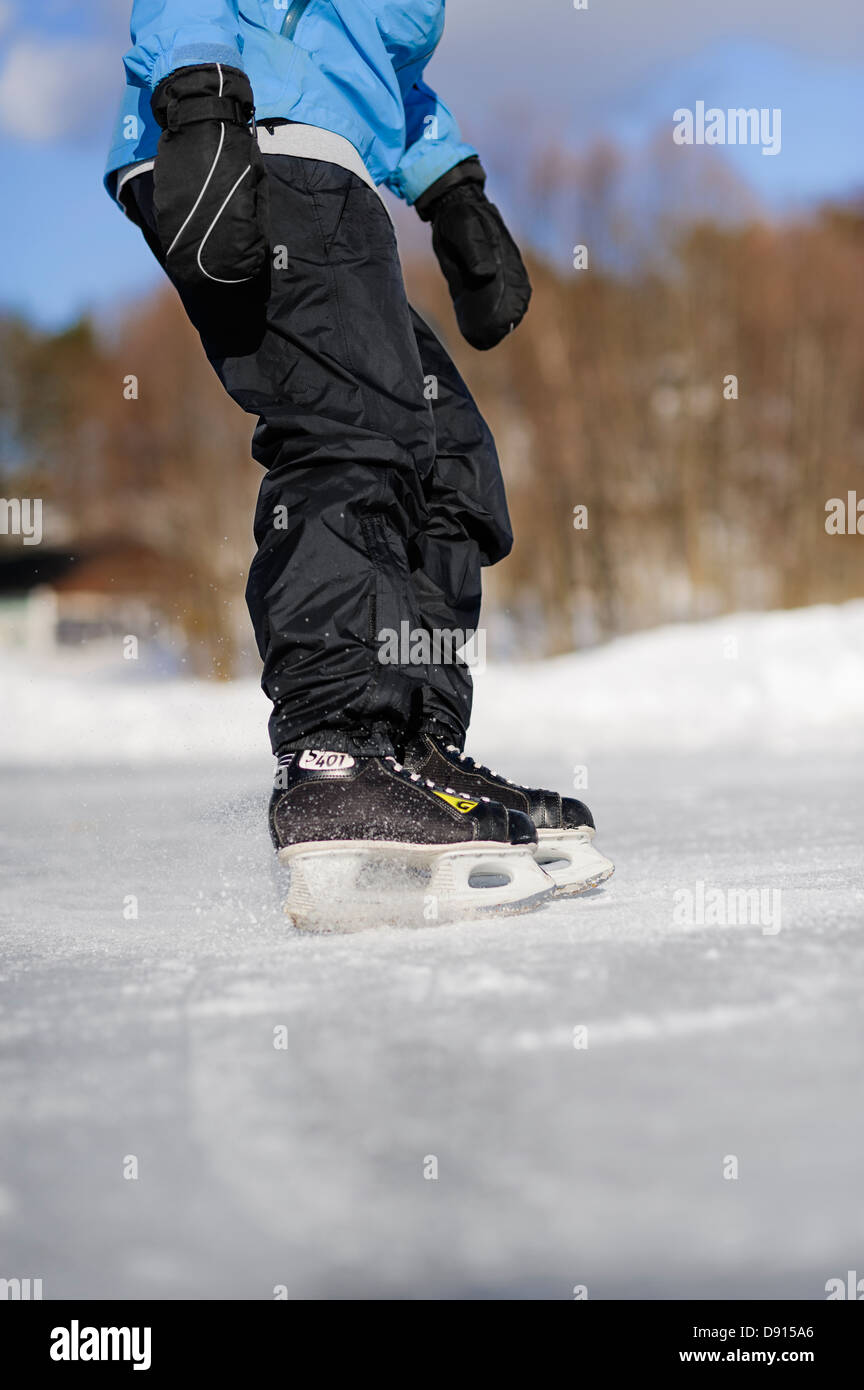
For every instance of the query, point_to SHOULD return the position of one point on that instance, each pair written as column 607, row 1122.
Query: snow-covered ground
column 757, row 680
column 602, row 1157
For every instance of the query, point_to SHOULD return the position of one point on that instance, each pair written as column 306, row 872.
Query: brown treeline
column 692, row 420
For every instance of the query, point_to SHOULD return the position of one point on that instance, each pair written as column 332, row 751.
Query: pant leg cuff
column 362, row 743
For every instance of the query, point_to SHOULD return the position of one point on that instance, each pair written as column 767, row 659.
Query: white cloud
column 7, row 14
column 51, row 89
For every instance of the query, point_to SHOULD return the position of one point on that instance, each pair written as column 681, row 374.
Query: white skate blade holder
column 349, row 885
column 570, row 859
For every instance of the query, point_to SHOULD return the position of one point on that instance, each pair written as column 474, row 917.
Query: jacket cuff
column 193, row 55
column 423, row 163
column 468, row 171
column 148, row 63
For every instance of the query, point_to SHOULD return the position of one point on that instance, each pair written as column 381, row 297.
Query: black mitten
column 209, row 182
column 487, row 278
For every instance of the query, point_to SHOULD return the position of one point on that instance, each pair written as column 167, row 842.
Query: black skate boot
column 370, row 842
column 565, row 826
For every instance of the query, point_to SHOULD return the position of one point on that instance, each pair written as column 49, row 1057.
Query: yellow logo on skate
column 458, row 801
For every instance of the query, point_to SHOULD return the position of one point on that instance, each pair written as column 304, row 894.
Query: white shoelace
column 415, row 777
column 478, row 767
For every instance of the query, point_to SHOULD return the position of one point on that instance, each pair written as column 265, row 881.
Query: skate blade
column 346, row 886
column 571, row 861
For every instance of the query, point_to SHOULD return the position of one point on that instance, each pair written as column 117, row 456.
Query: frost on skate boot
column 565, row 826
column 369, row 842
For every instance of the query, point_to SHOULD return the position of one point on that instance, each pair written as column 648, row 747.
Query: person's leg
column 329, row 360
column 330, row 364
column 467, row 527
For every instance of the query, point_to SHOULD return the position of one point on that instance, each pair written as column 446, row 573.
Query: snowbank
column 779, row 681
column 767, row 680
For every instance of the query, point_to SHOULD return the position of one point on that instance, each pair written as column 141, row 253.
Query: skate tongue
column 322, row 760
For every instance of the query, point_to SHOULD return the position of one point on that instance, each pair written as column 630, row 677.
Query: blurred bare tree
column 130, row 438
column 697, row 390
column 703, row 415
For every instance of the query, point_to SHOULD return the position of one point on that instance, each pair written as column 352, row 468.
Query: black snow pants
column 382, row 497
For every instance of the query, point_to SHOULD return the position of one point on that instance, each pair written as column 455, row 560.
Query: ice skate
column 565, row 826
column 370, row 843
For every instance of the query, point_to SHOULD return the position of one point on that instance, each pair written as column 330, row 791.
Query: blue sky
column 620, row 68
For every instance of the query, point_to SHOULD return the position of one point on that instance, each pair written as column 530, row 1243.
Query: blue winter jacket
column 350, row 66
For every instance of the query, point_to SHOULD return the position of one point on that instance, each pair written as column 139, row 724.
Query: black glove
column 209, row 183
column 488, row 281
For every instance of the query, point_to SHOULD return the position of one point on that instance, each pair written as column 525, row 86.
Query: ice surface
column 558, row 1165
